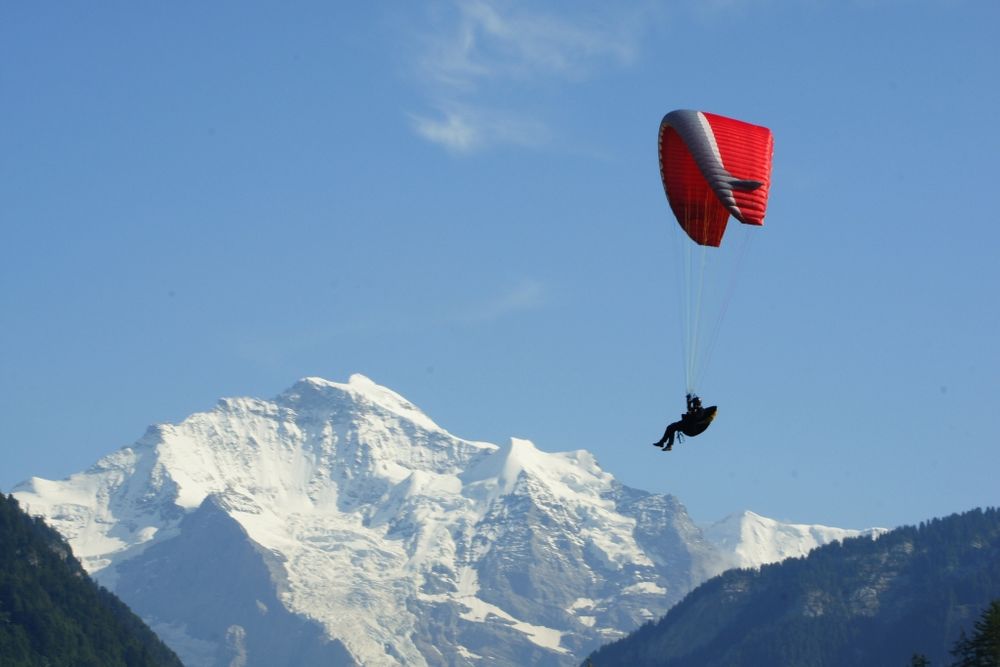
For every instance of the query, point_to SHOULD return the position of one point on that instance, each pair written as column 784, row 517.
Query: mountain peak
column 317, row 392
column 377, row 523
column 753, row 540
column 504, row 467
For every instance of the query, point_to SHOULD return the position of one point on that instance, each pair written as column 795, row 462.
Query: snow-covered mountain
column 338, row 524
column 750, row 540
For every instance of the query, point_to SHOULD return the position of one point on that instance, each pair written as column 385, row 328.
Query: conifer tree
column 982, row 649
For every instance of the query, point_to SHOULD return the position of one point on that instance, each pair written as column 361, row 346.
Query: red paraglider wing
column 697, row 209
column 713, row 166
column 746, row 152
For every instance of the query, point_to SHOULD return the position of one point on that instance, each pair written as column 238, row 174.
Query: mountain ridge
column 913, row 590
column 505, row 552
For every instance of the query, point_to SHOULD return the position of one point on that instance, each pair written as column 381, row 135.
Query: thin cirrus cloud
column 525, row 295
column 463, row 128
column 276, row 349
column 484, row 55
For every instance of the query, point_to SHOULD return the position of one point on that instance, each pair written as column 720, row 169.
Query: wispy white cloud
column 464, row 128
column 454, row 131
column 278, row 349
column 525, row 295
column 482, row 54
column 501, row 40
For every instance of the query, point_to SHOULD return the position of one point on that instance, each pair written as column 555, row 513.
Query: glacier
column 339, row 524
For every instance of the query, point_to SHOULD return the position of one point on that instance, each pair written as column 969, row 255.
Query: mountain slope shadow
column 223, row 609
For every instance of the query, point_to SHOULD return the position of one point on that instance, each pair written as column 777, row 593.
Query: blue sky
column 461, row 200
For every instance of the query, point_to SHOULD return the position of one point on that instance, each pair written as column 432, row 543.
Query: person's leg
column 667, row 441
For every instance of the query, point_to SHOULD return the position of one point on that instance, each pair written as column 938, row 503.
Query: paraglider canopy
column 713, row 167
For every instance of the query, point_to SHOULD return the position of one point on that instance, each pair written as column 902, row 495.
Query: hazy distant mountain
column 751, row 540
column 338, row 523
column 51, row 613
column 862, row 602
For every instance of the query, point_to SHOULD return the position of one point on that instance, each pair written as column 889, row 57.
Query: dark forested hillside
column 863, row 602
column 52, row 614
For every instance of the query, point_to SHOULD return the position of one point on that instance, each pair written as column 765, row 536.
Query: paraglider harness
column 693, row 422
